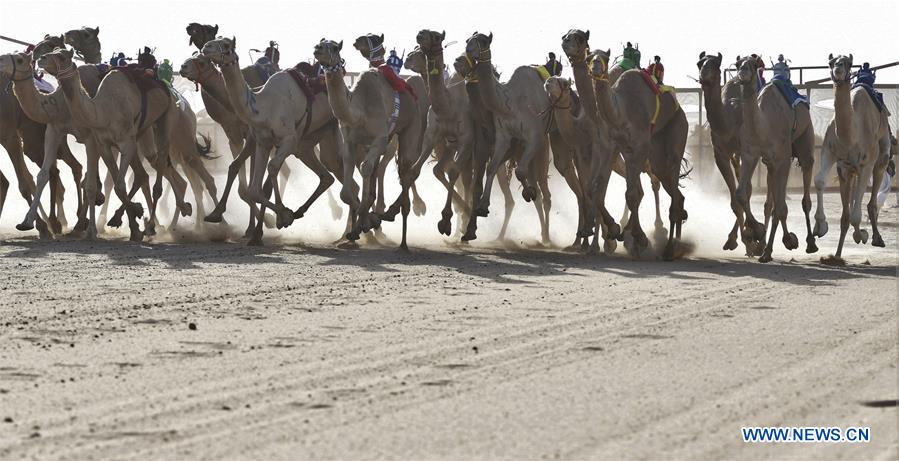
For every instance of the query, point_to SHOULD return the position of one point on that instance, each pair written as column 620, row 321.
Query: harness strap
column 395, row 115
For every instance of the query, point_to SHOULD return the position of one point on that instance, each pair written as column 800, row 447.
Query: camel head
column 327, row 53
column 416, row 61
column 201, row 33
column 747, row 69
column 840, row 68
column 599, row 64
column 709, row 68
column 431, row 42
column 48, row 44
column 371, row 46
column 559, row 91
column 464, row 66
column 477, row 47
column 83, row 39
column 197, row 68
column 575, row 44
column 15, row 66
column 58, row 63
column 222, row 50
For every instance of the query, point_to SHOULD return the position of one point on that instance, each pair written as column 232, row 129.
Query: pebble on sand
column 191, row 326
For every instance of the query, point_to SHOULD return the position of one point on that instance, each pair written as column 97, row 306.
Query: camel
column 858, row 142
column 724, row 114
column 369, row 116
column 646, row 126
column 485, row 140
column 117, row 116
column 774, row 132
column 281, row 115
column 575, row 44
column 23, row 135
column 515, row 107
column 185, row 150
column 371, row 47
column 451, row 132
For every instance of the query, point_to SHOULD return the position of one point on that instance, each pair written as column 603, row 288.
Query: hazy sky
column 524, row 30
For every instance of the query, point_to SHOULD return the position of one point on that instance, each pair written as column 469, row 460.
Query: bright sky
column 524, row 30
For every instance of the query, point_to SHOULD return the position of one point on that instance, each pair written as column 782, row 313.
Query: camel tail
column 685, row 167
column 205, row 150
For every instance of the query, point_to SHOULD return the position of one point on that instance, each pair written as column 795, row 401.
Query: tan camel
column 725, row 116
column 516, row 109
column 628, row 107
column 184, row 149
column 858, row 142
column 117, row 116
column 485, row 141
column 22, row 136
column 371, row 47
column 281, row 115
column 369, row 116
column 774, row 132
column 200, row 34
column 575, row 44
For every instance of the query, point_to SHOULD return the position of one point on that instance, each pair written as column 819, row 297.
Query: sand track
column 307, row 351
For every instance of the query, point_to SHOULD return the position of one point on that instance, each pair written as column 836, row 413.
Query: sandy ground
column 306, row 351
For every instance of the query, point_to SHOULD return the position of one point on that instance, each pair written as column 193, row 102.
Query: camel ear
column 62, row 38
column 830, row 57
column 215, row 30
column 702, row 55
column 490, row 38
column 443, row 35
column 96, row 31
column 738, row 58
column 720, row 57
column 340, row 45
column 587, row 34
column 234, row 42
column 850, row 59
column 382, row 38
column 67, row 53
column 46, row 36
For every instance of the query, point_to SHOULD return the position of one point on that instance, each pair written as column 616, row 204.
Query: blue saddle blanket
column 789, row 91
column 876, row 96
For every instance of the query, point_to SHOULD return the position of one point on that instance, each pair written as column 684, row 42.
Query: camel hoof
column 299, row 213
column 255, row 240
column 215, row 217
column 418, row 207
column 660, row 233
column 609, row 246
column 877, row 241
column 790, row 241
column 353, row 235
column 481, row 212
column 833, row 260
column 811, row 247
column 860, row 236
column 186, row 209
column 820, row 228
column 469, row 236
column 444, row 226
column 43, row 232
column 149, row 230
column 348, row 245
column 374, row 221
column 668, row 255
column 55, row 225
column 137, row 210
column 80, row 225
column 529, row 193
column 613, row 232
column 730, row 244
column 115, row 221
column 403, row 249
column 25, row 225
column 284, row 218
column 138, row 236
column 100, row 199
column 765, row 258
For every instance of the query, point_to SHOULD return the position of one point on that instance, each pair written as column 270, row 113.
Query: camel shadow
column 121, row 252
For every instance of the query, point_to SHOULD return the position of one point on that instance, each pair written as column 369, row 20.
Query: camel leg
column 723, row 162
column 500, row 155
column 140, row 181
column 541, row 179
column 633, row 196
column 163, row 161
column 536, row 147
column 480, row 154
column 92, row 185
column 65, row 154
column 234, row 171
column 390, row 153
column 778, row 174
column 807, row 166
column 505, row 186
column 4, row 187
column 194, row 164
column 827, row 162
column 287, row 147
column 133, row 210
column 858, row 192
column 877, row 177
column 844, row 177
column 107, row 190
column 325, row 180
column 754, row 232
column 446, row 172
column 564, row 162
column 656, row 185
column 30, row 191
column 369, row 168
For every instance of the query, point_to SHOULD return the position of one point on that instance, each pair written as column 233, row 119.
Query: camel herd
column 478, row 130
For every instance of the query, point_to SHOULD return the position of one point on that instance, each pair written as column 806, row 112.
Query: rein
column 201, row 77
column 68, row 72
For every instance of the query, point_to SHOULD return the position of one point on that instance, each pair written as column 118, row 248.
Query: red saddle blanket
column 650, row 81
column 143, row 78
column 399, row 85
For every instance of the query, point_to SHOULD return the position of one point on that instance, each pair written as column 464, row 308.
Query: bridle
column 483, row 53
column 844, row 80
column 201, row 75
column 604, row 75
column 68, row 72
column 337, row 66
column 27, row 76
column 432, row 61
column 373, row 58
column 222, row 55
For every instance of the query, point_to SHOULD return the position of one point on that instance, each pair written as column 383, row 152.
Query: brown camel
column 858, row 142
column 725, row 117
column 369, row 116
column 281, row 115
column 516, row 109
column 117, row 116
column 485, row 141
column 575, row 44
column 184, row 149
column 775, row 133
column 646, row 126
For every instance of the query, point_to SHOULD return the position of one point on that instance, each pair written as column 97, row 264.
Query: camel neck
column 437, row 87
column 216, row 88
column 30, row 100
column 714, row 107
column 585, row 89
column 750, row 109
column 842, row 105
column 339, row 98
column 92, row 55
column 565, row 120
column 606, row 103
column 238, row 92
column 82, row 107
column 490, row 88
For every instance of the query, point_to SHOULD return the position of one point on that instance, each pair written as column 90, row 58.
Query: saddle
column 875, row 95
column 789, row 92
column 145, row 83
column 658, row 90
column 541, row 70
column 399, row 85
